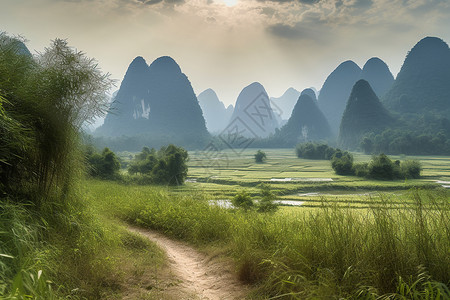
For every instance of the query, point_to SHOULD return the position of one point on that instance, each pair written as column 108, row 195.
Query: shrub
column 104, row 165
column 342, row 163
column 382, row 167
column 166, row 166
column 260, row 156
column 360, row 169
column 410, row 168
column 242, row 200
column 266, row 203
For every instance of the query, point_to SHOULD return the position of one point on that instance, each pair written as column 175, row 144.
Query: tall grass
column 329, row 252
column 46, row 232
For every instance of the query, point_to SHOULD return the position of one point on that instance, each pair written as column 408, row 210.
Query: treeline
column 137, row 142
column 315, row 151
column 406, row 142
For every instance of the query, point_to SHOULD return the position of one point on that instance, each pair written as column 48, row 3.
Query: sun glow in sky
column 279, row 43
column 230, row 2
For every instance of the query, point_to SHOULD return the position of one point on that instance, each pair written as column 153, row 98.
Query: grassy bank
column 71, row 254
column 325, row 252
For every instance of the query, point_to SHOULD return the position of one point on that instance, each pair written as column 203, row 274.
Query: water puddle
column 444, row 184
column 289, row 202
column 306, row 179
column 226, row 203
column 334, row 195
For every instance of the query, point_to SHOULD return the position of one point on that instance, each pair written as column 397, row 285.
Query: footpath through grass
column 387, row 250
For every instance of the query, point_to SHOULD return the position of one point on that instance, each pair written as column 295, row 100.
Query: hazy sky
column 226, row 45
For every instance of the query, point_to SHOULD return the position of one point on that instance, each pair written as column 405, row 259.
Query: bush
column 360, row 169
column 266, row 203
column 260, row 156
column 104, row 165
column 242, row 200
column 381, row 167
column 166, row 166
column 342, row 163
column 315, row 151
column 410, row 168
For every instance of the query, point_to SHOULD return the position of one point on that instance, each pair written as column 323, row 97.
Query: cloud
column 152, row 2
column 287, row 1
column 363, row 4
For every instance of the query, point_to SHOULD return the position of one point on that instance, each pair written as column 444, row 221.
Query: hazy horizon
column 226, row 45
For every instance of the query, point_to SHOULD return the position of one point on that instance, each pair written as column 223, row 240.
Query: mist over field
column 225, row 149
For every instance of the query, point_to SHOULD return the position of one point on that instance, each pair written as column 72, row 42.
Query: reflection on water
column 226, row 203
column 306, row 179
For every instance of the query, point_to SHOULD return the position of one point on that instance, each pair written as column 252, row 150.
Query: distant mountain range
column 214, row 111
column 253, row 115
column 423, row 83
column 307, row 122
column 364, row 113
column 157, row 101
column 338, row 85
column 285, row 104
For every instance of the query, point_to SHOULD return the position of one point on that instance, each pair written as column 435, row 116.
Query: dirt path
column 200, row 276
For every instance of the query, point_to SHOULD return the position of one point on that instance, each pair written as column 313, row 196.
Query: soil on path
column 200, row 277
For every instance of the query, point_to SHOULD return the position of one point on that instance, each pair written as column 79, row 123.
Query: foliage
column 420, row 135
column 103, row 165
column 381, row 167
column 266, row 203
column 315, row 151
column 47, row 99
column 360, row 169
column 242, row 200
column 166, row 166
column 410, row 168
column 260, row 156
column 49, row 245
column 342, row 163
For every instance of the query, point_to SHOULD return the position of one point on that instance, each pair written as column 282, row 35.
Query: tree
column 166, row 166
column 266, row 203
column 242, row 200
column 104, row 165
column 260, row 156
column 342, row 163
column 410, row 168
column 367, row 145
column 111, row 164
column 47, row 98
column 382, row 167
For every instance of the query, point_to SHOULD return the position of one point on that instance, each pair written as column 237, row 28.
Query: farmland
column 295, row 179
column 349, row 237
